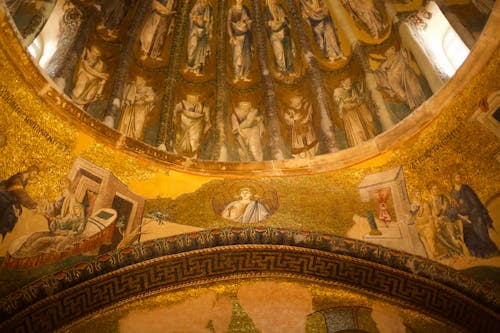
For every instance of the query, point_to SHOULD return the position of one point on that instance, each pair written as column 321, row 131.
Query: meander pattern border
column 58, row 299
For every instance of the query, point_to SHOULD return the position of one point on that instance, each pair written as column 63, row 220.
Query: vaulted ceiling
column 334, row 118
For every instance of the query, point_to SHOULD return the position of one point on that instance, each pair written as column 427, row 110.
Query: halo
column 234, row 189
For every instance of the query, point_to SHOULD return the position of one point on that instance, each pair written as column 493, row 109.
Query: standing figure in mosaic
column 239, row 24
column 246, row 209
column 298, row 117
column 73, row 220
column 248, row 129
column 158, row 26
column 474, row 218
column 317, row 15
column 137, row 102
column 366, row 12
column 200, row 34
column 398, row 79
column 422, row 217
column 449, row 232
column 359, row 125
column 13, row 197
column 113, row 13
column 278, row 30
column 64, row 202
column 89, row 78
column 192, row 123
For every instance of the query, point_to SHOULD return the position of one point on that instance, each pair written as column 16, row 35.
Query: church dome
column 247, row 85
column 249, row 166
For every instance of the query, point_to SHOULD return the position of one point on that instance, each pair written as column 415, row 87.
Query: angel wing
column 219, row 202
column 270, row 198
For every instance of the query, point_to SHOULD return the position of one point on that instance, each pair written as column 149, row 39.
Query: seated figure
column 73, row 221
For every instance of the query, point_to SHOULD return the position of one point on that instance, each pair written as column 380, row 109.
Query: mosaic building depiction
column 249, row 166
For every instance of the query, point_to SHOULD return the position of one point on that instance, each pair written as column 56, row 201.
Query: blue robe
column 476, row 235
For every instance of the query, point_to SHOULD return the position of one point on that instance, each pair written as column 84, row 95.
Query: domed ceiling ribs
column 327, row 127
column 237, row 80
column 166, row 132
column 113, row 108
column 361, row 55
column 276, row 142
column 221, row 128
column 75, row 26
column 220, row 149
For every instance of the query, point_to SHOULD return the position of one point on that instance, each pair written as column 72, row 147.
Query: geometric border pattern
column 61, row 298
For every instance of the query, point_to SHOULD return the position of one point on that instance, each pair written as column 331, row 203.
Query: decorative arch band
column 208, row 256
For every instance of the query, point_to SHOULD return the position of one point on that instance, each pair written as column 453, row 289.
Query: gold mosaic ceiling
column 214, row 83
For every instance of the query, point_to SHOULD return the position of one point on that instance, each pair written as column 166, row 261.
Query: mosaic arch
column 215, row 255
column 97, row 216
